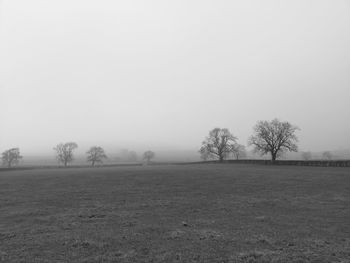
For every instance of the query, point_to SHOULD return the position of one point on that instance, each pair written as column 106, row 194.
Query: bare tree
column 95, row 155
column 274, row 137
column 239, row 151
column 327, row 155
column 64, row 152
column 306, row 156
column 11, row 157
column 218, row 144
column 148, row 155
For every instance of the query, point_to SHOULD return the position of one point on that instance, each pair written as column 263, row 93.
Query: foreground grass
column 190, row 213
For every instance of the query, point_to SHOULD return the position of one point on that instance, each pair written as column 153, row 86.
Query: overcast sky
column 160, row 74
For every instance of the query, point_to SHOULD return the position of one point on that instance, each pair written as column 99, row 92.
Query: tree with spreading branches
column 96, row 154
column 11, row 157
column 219, row 144
column 64, row 152
column 274, row 137
column 239, row 151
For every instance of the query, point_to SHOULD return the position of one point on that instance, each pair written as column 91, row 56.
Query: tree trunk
column 93, row 163
column 221, row 158
column 273, row 156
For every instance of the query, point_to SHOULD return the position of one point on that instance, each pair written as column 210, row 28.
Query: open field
column 176, row 213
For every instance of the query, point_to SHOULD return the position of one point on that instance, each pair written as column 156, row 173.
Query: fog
column 160, row 74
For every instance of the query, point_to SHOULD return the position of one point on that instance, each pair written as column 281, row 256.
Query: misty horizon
column 159, row 76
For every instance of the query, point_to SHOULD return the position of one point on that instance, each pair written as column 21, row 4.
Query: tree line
column 95, row 155
column 65, row 155
column 273, row 137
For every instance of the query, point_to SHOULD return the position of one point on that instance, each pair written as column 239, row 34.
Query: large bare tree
column 64, row 152
column 11, row 157
column 218, row 144
column 95, row 155
column 274, row 137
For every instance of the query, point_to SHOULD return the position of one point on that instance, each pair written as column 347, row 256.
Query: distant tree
column 64, row 152
column 239, row 151
column 306, row 156
column 274, row 137
column 11, row 157
column 327, row 155
column 218, row 144
column 148, row 156
column 95, row 155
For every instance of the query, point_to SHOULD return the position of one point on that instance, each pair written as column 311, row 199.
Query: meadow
column 176, row 213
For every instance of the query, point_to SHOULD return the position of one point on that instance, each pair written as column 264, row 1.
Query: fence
column 335, row 163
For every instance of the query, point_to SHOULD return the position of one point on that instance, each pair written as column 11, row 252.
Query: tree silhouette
column 239, row 151
column 218, row 144
column 95, row 155
column 11, row 157
column 274, row 137
column 64, row 152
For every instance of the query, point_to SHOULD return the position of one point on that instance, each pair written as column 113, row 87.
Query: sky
column 160, row 74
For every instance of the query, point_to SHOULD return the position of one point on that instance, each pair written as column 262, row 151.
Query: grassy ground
column 184, row 213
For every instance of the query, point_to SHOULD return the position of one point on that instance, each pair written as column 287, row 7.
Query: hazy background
column 160, row 74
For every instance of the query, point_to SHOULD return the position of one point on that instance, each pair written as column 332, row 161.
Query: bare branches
column 95, row 155
column 11, row 157
column 274, row 137
column 219, row 144
column 64, row 152
column 239, row 151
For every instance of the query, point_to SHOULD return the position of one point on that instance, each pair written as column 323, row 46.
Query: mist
column 159, row 75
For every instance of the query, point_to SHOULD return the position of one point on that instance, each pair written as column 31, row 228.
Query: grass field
column 183, row 213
